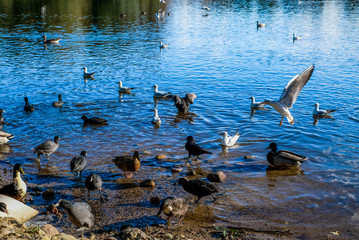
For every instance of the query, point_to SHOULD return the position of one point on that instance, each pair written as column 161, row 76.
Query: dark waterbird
column 183, row 104
column 2, row 120
column 193, row 148
column 58, row 103
column 79, row 163
column 3, row 207
column 18, row 188
column 173, row 207
column 128, row 163
column 28, row 107
column 79, row 213
column 283, row 158
column 94, row 182
column 198, row 187
column 94, row 121
column 47, row 148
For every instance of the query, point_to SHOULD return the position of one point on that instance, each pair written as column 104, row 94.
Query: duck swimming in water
column 283, row 158
column 18, row 188
column 28, row 107
column 58, row 103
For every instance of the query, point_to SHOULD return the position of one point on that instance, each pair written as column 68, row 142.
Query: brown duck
column 173, row 207
column 128, row 163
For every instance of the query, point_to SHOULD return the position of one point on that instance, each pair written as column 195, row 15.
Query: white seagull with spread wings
column 290, row 95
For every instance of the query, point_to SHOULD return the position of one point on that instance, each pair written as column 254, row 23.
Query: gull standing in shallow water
column 290, row 95
column 157, row 94
column 322, row 113
column 228, row 141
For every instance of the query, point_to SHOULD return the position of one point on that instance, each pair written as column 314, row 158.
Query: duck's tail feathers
column 11, row 136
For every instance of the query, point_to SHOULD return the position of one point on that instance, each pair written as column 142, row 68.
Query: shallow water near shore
column 222, row 57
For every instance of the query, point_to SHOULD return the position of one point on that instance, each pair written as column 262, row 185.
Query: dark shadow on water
column 146, row 204
column 136, row 222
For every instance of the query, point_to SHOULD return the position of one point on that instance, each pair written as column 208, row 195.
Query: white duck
column 322, row 113
column 228, row 141
column 122, row 89
column 290, row 95
column 86, row 74
column 158, row 94
column 156, row 120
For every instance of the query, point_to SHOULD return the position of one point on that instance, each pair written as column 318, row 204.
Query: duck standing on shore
column 173, row 207
column 17, row 189
column 128, row 163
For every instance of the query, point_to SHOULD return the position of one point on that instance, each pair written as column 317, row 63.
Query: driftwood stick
column 244, row 229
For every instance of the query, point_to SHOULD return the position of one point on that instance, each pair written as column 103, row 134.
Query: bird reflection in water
column 273, row 173
column 189, row 117
column 316, row 118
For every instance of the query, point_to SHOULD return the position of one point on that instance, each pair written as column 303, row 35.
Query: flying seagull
column 290, row 95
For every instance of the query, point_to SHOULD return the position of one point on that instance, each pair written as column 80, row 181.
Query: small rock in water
column 48, row 194
column 248, row 157
column 161, row 157
column 176, row 170
column 146, row 152
column 216, row 177
column 147, row 183
column 49, row 229
column 191, row 173
column 155, row 200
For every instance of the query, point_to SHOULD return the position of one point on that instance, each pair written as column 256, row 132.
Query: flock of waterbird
column 80, row 214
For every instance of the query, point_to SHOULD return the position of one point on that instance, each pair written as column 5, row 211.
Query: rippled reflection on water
column 224, row 59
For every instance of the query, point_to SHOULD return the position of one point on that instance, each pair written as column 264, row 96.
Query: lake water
column 222, row 57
